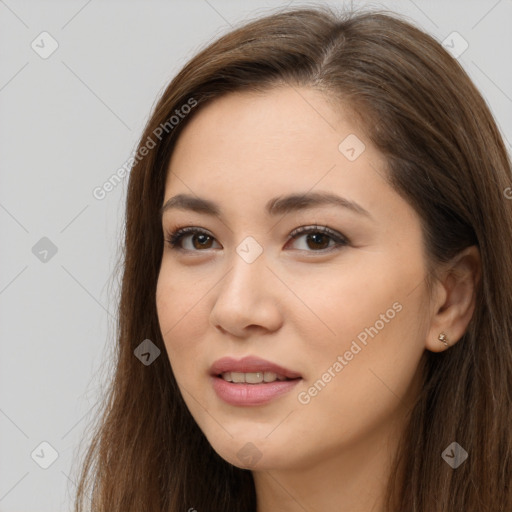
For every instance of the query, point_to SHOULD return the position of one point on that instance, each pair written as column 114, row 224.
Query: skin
column 299, row 304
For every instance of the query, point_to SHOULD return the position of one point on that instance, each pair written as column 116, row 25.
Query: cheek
column 339, row 303
column 179, row 311
column 354, row 388
column 372, row 318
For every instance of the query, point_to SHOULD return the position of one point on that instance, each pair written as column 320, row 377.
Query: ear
column 454, row 299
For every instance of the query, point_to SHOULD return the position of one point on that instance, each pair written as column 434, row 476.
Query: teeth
column 269, row 376
column 252, row 377
column 237, row 377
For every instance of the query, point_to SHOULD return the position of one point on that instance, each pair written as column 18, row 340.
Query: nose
column 247, row 299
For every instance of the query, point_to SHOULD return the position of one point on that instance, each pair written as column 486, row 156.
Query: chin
column 252, row 452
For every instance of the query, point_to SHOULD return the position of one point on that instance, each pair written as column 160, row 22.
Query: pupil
column 317, row 238
column 201, row 238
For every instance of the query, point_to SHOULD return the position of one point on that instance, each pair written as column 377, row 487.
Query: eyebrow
column 277, row 206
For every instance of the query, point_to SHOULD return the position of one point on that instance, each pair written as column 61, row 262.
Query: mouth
column 251, row 367
column 251, row 381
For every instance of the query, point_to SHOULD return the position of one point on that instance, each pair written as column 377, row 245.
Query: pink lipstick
column 251, row 381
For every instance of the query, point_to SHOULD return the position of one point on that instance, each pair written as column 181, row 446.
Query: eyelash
column 174, row 237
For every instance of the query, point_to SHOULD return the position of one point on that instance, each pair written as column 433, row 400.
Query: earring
column 442, row 337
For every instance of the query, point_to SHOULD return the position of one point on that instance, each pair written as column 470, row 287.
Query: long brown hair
column 445, row 157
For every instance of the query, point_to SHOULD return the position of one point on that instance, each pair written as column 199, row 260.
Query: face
column 330, row 295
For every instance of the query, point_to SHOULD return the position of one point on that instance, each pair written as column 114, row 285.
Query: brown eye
column 203, row 241
column 318, row 241
column 318, row 238
column 200, row 239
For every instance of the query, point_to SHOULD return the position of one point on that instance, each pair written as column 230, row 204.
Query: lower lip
column 251, row 394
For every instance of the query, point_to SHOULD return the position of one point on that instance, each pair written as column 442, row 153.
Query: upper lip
column 250, row 364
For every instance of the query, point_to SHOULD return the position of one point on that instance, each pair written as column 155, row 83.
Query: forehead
column 245, row 148
column 285, row 132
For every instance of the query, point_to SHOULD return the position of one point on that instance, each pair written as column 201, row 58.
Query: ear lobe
column 456, row 299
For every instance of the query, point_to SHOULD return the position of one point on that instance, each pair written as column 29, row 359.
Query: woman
column 315, row 308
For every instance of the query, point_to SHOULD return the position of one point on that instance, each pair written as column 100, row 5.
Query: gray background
column 68, row 123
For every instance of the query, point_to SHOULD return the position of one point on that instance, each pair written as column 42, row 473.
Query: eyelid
column 318, row 228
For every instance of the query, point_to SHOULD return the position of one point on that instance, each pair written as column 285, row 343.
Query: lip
column 241, row 394
column 250, row 364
